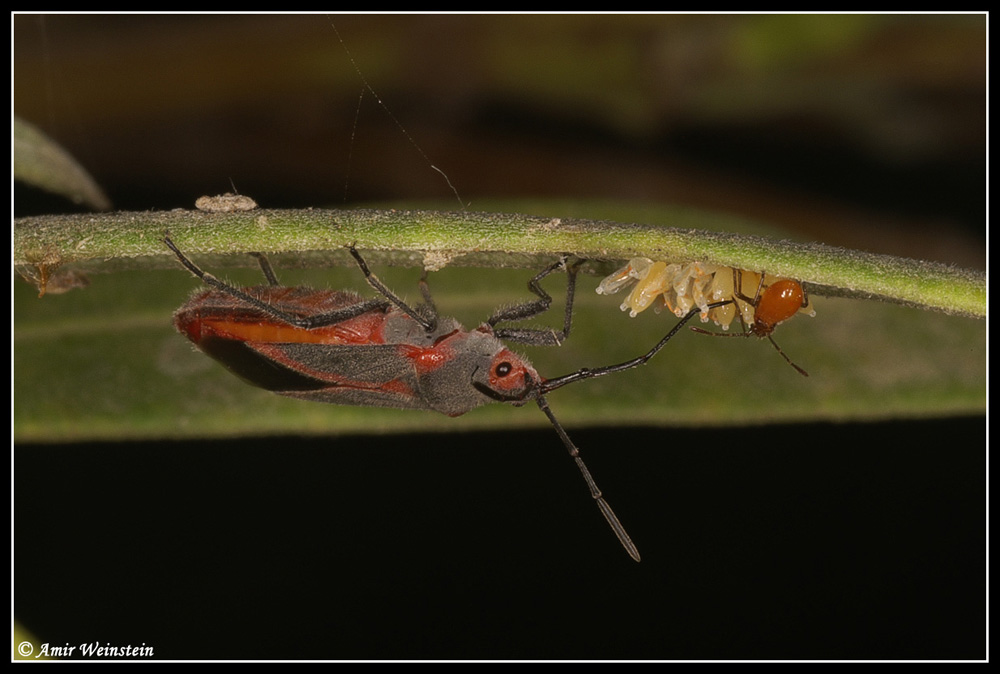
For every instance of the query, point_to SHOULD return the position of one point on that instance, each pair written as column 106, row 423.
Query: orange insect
column 771, row 305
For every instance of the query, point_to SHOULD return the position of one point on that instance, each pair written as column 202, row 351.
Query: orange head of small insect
column 772, row 305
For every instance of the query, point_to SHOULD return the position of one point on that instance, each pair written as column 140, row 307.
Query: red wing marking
column 272, row 332
column 239, row 323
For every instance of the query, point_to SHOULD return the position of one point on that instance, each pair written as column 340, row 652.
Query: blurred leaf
column 41, row 162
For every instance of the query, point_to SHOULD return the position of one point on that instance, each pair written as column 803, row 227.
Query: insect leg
column 428, row 323
column 787, row 359
column 586, row 373
column 738, row 293
column 738, row 287
column 306, row 322
column 425, row 290
column 702, row 331
column 266, row 268
column 535, row 336
column 745, row 333
column 605, row 509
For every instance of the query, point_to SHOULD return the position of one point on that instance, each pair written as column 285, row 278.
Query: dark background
column 775, row 542
column 865, row 131
column 807, row 541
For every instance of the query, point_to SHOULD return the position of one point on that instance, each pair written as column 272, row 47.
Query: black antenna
column 605, row 509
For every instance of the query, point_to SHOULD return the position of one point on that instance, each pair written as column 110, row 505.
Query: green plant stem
column 436, row 239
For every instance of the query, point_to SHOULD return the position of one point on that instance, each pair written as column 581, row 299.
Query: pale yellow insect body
column 680, row 288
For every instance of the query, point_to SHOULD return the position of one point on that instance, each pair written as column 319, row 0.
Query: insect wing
column 333, row 347
column 345, row 362
column 375, row 375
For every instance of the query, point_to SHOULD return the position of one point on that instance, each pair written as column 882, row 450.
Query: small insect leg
column 738, row 287
column 738, row 293
column 702, row 331
column 605, row 509
column 535, row 336
column 787, row 359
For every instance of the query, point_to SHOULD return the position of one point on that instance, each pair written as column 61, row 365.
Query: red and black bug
column 337, row 347
column 772, row 305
